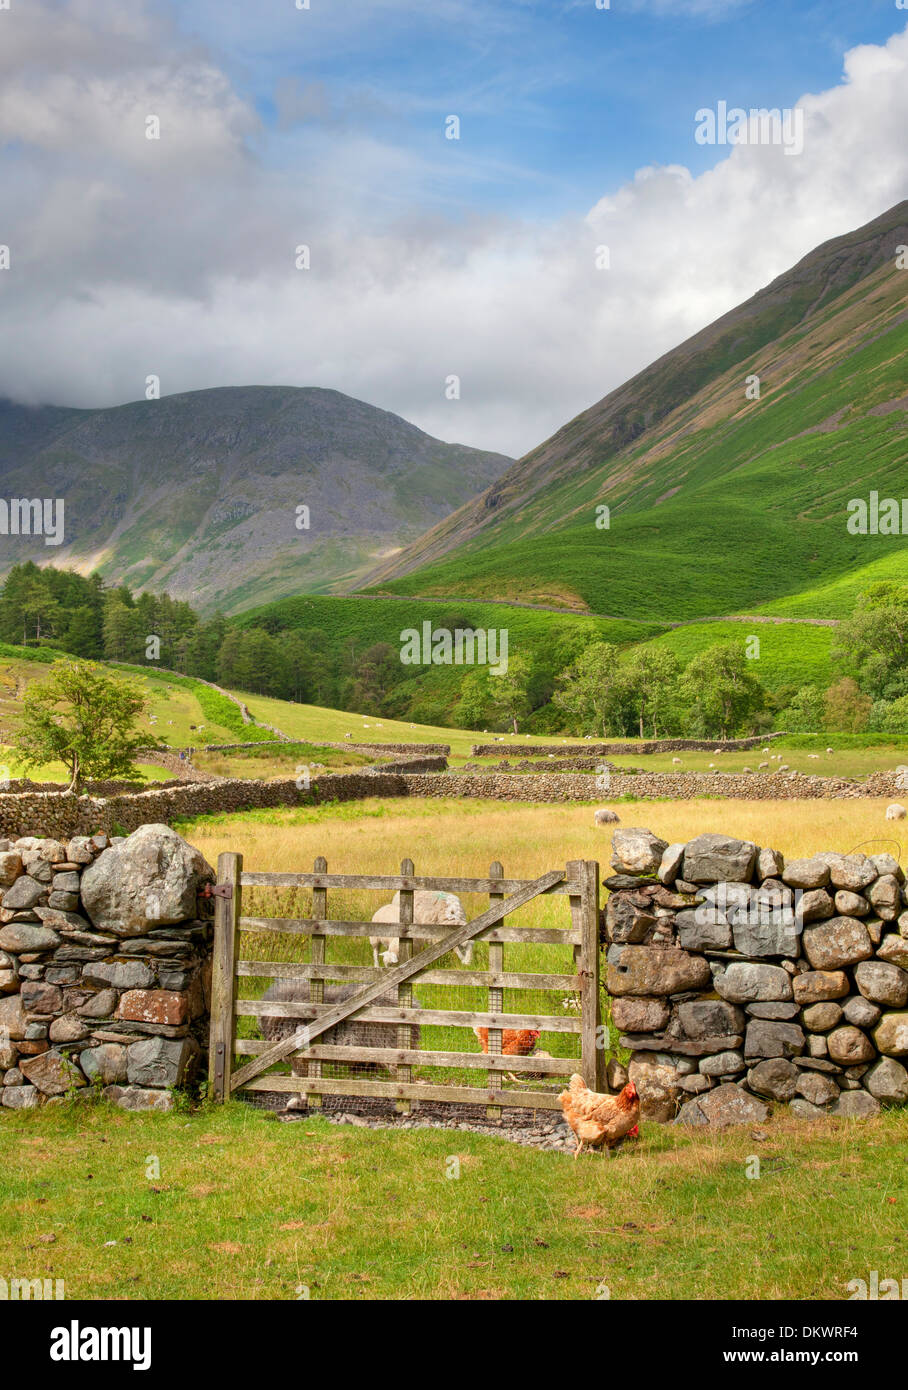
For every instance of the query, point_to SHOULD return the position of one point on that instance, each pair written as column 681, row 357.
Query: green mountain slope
column 197, row 494
column 719, row 504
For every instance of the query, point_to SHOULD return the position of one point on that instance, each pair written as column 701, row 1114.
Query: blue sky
column 430, row 258
column 558, row 100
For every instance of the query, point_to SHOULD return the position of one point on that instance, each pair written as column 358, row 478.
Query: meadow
column 230, row 1203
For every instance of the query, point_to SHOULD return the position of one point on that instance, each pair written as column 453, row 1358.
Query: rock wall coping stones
column 738, row 980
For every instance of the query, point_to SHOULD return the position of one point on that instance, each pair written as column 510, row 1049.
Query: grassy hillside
column 719, row 503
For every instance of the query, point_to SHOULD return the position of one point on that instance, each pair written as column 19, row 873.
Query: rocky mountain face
column 234, row 496
column 667, row 450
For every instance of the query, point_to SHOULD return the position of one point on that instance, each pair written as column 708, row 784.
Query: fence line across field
column 420, row 947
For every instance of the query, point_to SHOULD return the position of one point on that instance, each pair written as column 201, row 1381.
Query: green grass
column 243, row 1206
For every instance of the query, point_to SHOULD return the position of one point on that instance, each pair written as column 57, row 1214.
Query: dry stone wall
column 105, row 965
column 738, row 979
column 655, row 745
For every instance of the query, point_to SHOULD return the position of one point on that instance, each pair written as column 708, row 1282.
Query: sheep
column 429, row 908
column 765, row 750
column 783, row 767
column 896, row 812
column 813, row 755
column 761, row 766
column 677, row 760
column 605, row 817
column 748, row 769
column 353, row 1032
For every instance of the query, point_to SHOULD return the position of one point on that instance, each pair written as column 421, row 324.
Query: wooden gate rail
column 579, row 882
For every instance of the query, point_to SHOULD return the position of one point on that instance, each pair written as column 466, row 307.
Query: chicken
column 597, row 1119
column 515, row 1042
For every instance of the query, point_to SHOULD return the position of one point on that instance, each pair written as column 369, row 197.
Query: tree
column 723, row 694
column 805, row 713
column 873, row 642
column 847, row 709
column 510, row 691
column 652, row 677
column 472, row 710
column 593, row 691
column 84, row 718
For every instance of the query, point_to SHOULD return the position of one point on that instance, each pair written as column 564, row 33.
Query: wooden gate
column 579, row 882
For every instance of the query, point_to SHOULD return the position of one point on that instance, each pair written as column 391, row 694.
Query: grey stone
column 770, row 864
column 884, row 897
column 25, row 893
column 634, row 1014
column 817, row 1045
column 730, row 1104
column 66, row 1029
column 153, row 878
column 882, row 983
column 10, row 867
column 861, row 1012
column 634, row 851
column 838, row 942
column 711, row 857
column 66, row 902
column 775, row 1078
column 138, row 1098
column 66, row 883
column 21, row 937
column 21, row 1097
column 774, row 1009
column 38, row 997
column 625, row 921
column 815, row 905
column 651, row 970
column 768, row 1039
column 132, row 974
column 806, row 873
column 695, row 1084
column 100, row 1005
column 887, row 1081
column 670, row 864
column 709, row 1018
column 722, row 1064
column 158, row 1061
column 859, row 1105
column 817, row 1088
column 106, row 1063
column 885, row 865
column 852, row 871
column 703, row 928
column 744, row 983
column 805, row 1110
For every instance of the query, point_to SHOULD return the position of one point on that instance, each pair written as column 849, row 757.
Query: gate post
column 585, row 914
column 223, row 978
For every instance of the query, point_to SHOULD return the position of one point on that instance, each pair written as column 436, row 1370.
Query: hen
column 597, row 1119
column 515, row 1042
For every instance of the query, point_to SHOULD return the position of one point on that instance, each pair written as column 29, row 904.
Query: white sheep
column 712, row 764
column 747, row 769
column 761, row 766
column 813, row 755
column 783, row 767
column 765, row 750
column 829, row 750
column 677, row 760
column 429, row 908
column 896, row 812
column 605, row 817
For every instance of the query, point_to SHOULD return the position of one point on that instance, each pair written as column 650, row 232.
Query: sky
column 460, row 282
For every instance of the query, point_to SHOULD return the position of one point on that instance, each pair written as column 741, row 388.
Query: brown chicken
column 597, row 1119
column 515, row 1042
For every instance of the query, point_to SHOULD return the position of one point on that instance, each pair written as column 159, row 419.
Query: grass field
column 241, row 1206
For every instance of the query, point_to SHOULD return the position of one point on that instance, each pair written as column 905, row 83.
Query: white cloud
column 176, row 257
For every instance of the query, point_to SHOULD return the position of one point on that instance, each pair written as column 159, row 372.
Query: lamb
column 605, row 817
column 896, row 812
column 429, row 908
column 353, row 1032
column 761, row 766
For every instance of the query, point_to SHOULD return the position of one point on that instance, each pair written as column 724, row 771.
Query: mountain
column 197, row 494
column 718, row 503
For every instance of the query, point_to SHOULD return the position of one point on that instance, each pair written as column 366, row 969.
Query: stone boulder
column 890, row 1034
column 744, row 983
column 849, row 1046
column 151, row 879
column 764, row 1038
column 636, row 851
column 657, row 1085
column 882, row 983
column 709, row 1018
column 892, row 949
column 776, row 1078
column 806, row 873
column 840, row 941
column 730, row 1104
column 653, row 970
column 710, row 858
column 816, row 986
column 887, row 1081
column 633, row 1014
column 51, row 1073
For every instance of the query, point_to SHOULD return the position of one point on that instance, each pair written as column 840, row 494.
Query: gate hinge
column 216, row 890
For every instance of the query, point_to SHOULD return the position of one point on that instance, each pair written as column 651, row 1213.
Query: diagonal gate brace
column 304, row 1036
